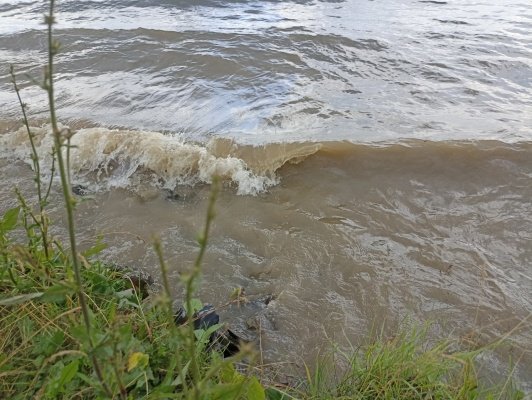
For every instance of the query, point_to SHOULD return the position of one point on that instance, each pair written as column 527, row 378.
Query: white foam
column 104, row 159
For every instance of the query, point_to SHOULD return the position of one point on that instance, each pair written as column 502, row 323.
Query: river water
column 376, row 155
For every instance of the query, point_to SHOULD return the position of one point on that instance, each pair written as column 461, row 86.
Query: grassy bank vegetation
column 72, row 327
column 133, row 349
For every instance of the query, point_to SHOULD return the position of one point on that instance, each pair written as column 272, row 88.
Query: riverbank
column 353, row 236
column 48, row 351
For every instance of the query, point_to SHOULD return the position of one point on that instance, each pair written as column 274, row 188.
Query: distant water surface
column 266, row 71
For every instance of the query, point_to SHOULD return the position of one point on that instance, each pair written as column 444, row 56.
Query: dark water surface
column 376, row 155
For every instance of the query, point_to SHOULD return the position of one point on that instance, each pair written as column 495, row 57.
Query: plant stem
column 43, row 225
column 196, row 270
column 170, row 314
column 53, row 48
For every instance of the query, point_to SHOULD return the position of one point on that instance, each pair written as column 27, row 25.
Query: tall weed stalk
column 61, row 136
column 42, row 222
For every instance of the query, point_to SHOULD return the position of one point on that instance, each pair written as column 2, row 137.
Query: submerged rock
column 222, row 339
column 260, row 322
column 182, row 193
column 139, row 280
column 80, row 190
column 251, row 315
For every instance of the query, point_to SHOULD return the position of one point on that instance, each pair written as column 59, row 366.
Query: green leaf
column 89, row 380
column 67, row 374
column 276, row 394
column 60, row 375
column 124, row 294
column 183, row 373
column 21, row 298
column 137, row 359
column 228, row 374
column 9, row 221
column 203, row 336
column 224, row 391
column 57, row 293
column 79, row 332
column 255, row 391
column 45, row 344
column 195, row 304
column 94, row 250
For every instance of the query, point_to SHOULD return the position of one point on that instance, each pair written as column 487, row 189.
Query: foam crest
column 105, row 159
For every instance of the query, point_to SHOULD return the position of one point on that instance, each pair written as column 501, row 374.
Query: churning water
column 377, row 155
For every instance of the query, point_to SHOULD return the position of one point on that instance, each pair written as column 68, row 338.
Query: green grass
column 404, row 367
column 46, row 351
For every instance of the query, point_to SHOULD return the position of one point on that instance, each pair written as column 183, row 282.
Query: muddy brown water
column 376, row 157
column 351, row 239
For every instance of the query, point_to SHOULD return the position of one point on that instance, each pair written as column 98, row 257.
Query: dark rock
column 203, row 319
column 180, row 316
column 261, row 322
column 227, row 342
column 252, row 317
column 172, row 195
column 140, row 281
column 265, row 299
column 206, row 318
column 182, row 193
column 223, row 340
column 80, row 190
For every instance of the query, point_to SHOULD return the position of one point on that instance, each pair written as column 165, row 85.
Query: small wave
column 103, row 159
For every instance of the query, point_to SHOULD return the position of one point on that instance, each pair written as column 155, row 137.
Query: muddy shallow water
column 351, row 238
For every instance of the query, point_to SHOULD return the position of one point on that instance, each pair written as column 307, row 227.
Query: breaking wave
column 103, row 159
